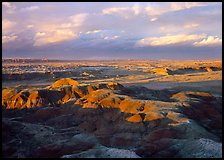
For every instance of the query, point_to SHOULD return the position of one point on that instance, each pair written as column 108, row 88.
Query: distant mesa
column 186, row 96
column 159, row 71
column 181, row 70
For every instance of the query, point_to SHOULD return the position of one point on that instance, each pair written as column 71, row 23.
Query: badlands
column 112, row 109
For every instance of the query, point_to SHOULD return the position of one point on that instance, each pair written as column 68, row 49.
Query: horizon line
column 46, row 59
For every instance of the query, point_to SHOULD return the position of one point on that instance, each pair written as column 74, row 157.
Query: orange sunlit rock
column 150, row 116
column 135, row 118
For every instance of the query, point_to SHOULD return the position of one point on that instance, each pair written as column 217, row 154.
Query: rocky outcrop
column 63, row 91
column 7, row 95
column 19, row 100
column 134, row 118
column 44, row 98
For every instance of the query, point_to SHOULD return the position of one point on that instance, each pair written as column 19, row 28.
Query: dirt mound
column 64, row 82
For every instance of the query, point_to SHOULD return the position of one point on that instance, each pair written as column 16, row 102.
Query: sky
column 112, row 30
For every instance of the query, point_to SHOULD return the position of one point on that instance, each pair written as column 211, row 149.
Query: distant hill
column 30, row 60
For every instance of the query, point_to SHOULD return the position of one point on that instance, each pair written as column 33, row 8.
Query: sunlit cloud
column 7, row 25
column 54, row 33
column 152, row 9
column 10, row 7
column 111, row 38
column 78, row 19
column 71, row 23
column 121, row 11
column 30, row 8
column 42, row 38
column 113, row 10
column 6, row 39
column 29, row 26
column 136, row 8
column 66, row 25
column 186, row 5
column 153, row 19
column 156, row 10
column 40, row 34
column 192, row 25
column 210, row 40
column 125, row 12
column 178, row 28
column 168, row 40
column 93, row 32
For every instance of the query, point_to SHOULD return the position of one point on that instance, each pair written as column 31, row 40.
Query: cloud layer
column 119, row 30
column 209, row 41
column 168, row 40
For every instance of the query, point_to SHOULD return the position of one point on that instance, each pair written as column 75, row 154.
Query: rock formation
column 72, row 120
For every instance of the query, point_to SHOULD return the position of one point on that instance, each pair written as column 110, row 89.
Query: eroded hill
column 71, row 119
